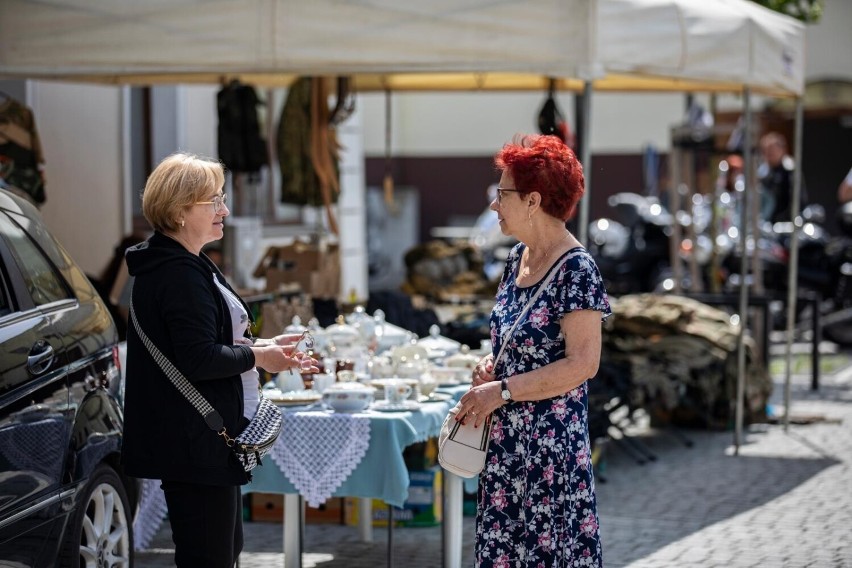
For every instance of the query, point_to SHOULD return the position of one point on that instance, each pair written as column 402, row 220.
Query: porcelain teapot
column 464, row 358
column 438, row 346
column 341, row 334
column 363, row 324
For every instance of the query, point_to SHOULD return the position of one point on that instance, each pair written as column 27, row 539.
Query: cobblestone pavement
column 784, row 502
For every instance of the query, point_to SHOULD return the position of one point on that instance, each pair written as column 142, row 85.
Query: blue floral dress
column 536, row 504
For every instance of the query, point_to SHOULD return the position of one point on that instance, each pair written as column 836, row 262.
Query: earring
column 529, row 218
column 182, row 222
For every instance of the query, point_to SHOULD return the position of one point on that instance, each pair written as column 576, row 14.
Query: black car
column 63, row 498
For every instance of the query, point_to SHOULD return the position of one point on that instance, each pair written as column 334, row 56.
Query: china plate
column 435, row 397
column 292, row 398
column 405, row 406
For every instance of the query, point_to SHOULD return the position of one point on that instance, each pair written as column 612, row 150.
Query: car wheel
column 101, row 534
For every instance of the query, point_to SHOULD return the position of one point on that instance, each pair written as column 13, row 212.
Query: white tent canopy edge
column 724, row 45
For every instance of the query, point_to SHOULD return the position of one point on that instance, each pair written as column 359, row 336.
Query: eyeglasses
column 218, row 202
column 502, row 190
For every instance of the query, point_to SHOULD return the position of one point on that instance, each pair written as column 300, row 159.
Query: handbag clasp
column 228, row 440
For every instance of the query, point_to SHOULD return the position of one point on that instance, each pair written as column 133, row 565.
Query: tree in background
column 808, row 11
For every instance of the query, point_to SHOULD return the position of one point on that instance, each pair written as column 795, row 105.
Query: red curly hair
column 543, row 163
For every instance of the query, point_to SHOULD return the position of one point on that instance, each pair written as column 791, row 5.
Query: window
column 42, row 281
column 5, row 306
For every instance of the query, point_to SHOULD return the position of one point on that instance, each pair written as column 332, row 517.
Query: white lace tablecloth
column 318, row 451
column 371, row 464
column 149, row 514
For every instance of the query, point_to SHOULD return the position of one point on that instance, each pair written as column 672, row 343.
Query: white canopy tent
column 625, row 45
column 723, row 45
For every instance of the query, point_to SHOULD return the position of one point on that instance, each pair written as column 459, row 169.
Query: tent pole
column 586, row 160
column 793, row 267
column 744, row 265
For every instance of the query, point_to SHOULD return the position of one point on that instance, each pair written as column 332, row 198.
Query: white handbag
column 462, row 447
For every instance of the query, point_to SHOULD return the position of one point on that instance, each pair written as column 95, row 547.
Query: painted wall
column 829, row 43
column 475, row 124
column 79, row 127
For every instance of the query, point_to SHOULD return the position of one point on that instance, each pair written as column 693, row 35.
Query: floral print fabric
column 536, row 504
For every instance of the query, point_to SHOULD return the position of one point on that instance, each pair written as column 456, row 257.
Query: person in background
column 844, row 191
column 191, row 314
column 216, row 255
column 536, row 503
column 489, row 240
column 775, row 176
column 112, row 281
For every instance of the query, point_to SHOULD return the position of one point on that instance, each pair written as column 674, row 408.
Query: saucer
column 404, row 406
column 435, row 397
column 292, row 398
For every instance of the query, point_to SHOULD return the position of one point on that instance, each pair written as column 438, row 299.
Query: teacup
column 289, row 381
column 322, row 381
column 346, row 376
column 396, row 392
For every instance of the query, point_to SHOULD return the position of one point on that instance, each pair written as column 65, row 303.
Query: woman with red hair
column 536, row 504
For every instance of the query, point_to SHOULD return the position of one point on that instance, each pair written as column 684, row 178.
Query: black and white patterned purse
column 251, row 444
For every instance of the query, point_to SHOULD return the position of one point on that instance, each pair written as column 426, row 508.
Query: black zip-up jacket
column 182, row 311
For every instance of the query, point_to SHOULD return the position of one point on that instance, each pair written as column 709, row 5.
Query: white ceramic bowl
column 451, row 375
column 348, row 397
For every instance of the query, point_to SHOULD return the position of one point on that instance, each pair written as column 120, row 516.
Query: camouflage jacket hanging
column 21, row 157
column 307, row 148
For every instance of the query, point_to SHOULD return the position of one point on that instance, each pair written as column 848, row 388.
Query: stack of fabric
column 681, row 360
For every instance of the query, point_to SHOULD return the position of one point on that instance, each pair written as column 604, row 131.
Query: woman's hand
column 283, row 340
column 277, row 358
column 307, row 363
column 479, row 402
column 484, row 371
column 286, row 339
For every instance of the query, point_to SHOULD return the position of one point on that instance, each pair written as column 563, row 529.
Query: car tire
column 101, row 532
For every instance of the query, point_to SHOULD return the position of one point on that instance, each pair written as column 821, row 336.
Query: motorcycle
column 631, row 248
column 837, row 322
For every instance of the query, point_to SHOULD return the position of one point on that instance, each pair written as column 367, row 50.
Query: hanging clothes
column 241, row 147
column 550, row 118
column 21, row 157
column 307, row 148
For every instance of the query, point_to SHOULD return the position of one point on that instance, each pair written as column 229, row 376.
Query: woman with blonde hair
column 185, row 306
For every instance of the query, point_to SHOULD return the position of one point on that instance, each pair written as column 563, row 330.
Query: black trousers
column 207, row 524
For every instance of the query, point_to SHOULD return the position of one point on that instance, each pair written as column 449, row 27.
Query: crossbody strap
column 532, row 301
column 211, row 416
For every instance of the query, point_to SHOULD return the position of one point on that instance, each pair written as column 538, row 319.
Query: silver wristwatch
column 504, row 384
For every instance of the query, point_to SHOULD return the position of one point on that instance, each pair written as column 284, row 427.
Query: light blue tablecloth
column 382, row 473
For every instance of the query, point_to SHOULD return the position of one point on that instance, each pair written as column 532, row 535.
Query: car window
column 5, row 306
column 42, row 281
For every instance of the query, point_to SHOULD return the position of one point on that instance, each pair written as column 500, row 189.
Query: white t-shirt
column 251, row 378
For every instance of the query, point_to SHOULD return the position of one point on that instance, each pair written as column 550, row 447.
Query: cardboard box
column 422, row 508
column 421, row 455
column 315, row 268
column 269, row 507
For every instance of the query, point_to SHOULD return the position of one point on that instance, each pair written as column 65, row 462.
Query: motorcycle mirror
column 814, row 213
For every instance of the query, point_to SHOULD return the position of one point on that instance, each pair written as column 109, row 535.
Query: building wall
column 79, row 127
